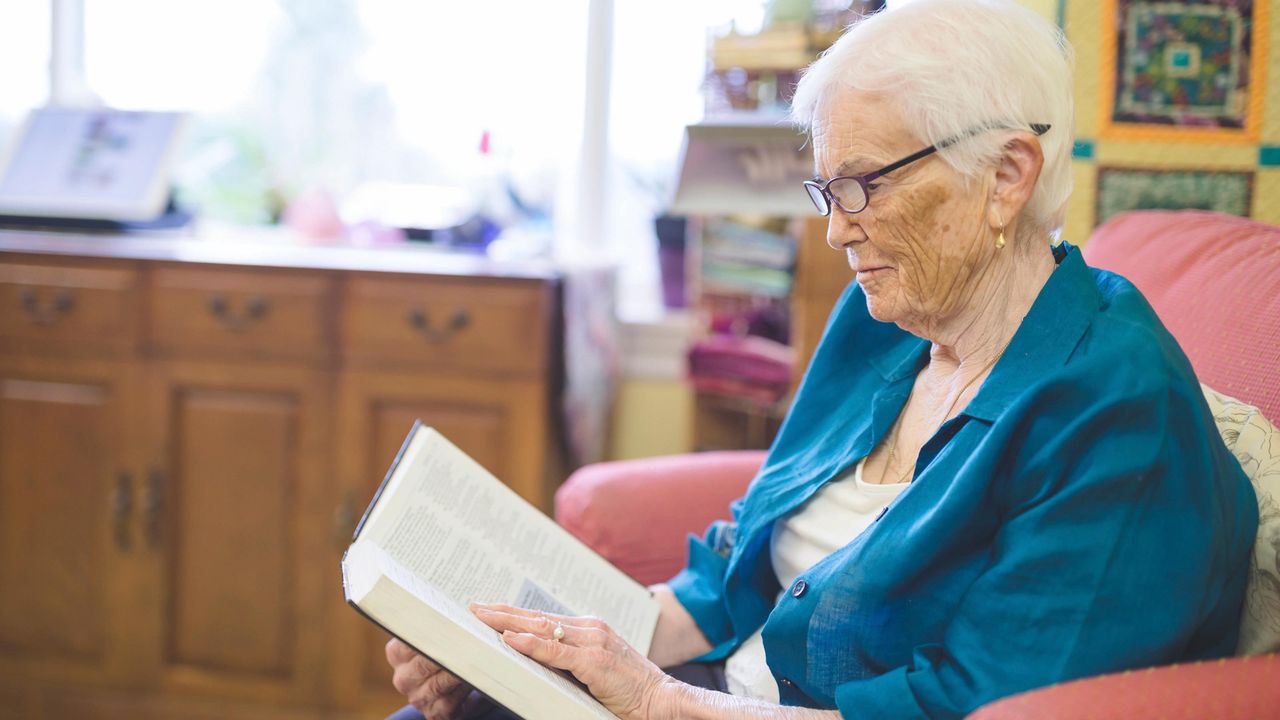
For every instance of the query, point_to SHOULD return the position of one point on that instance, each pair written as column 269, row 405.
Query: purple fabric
column 751, row 359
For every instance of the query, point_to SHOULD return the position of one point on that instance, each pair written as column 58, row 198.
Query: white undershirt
column 833, row 517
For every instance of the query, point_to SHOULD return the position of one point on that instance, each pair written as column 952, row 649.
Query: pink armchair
column 1215, row 282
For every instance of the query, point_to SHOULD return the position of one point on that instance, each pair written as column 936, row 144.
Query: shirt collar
column 1048, row 334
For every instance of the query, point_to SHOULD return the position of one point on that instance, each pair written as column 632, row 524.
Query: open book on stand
column 442, row 532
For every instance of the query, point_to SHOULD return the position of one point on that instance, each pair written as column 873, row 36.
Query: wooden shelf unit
column 821, row 275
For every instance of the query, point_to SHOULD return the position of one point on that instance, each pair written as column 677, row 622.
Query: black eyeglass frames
column 851, row 193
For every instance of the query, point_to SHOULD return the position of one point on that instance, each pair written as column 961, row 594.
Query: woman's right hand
column 432, row 690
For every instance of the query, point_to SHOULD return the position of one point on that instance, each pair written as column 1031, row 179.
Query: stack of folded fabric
column 751, row 368
column 741, row 259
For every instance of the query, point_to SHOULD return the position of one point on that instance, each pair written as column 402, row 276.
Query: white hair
column 955, row 66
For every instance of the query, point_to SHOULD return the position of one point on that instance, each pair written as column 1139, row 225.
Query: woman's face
column 917, row 246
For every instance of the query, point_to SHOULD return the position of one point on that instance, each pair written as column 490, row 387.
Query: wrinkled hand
column 622, row 679
column 432, row 690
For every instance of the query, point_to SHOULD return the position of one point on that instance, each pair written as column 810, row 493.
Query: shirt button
column 799, row 589
column 786, row 682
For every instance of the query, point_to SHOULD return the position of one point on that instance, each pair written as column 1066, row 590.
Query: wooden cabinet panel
column 478, row 430
column 241, row 555
column 241, row 314
column 16, row 704
column 502, row 424
column 234, row 469
column 185, row 448
column 467, row 325
column 79, row 309
column 130, row 706
column 66, row 502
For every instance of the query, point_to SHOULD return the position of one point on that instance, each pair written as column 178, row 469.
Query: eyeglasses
column 851, row 193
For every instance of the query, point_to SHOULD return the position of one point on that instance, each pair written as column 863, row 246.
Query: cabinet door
column 500, row 423
column 235, row 530
column 67, row 534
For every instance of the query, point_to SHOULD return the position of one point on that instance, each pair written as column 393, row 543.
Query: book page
column 446, row 518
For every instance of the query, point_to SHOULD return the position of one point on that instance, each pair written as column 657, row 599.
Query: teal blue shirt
column 1081, row 515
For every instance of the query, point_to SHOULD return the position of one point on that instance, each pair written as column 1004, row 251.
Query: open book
column 442, row 532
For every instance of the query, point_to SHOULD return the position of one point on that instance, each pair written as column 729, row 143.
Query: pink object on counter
column 371, row 232
column 314, row 215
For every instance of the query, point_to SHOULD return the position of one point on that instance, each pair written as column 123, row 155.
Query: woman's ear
column 1015, row 178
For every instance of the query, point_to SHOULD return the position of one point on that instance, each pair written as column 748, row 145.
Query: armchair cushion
column 638, row 513
column 1214, row 280
column 1234, row 689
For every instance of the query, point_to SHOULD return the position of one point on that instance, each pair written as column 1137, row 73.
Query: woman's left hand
column 623, row 680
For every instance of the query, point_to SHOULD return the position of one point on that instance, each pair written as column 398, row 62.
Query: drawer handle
column 41, row 314
column 257, row 308
column 121, row 508
column 419, row 321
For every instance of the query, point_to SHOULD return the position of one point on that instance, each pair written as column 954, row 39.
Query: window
column 24, row 55
column 659, row 67
column 295, row 95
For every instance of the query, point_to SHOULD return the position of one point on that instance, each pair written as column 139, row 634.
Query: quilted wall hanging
column 1173, row 107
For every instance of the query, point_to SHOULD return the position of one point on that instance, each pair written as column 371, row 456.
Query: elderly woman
column 999, row 472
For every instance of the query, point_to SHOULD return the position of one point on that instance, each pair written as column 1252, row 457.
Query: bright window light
column 24, row 55
column 296, row 95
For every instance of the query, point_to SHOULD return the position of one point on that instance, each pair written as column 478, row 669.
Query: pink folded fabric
column 748, row 359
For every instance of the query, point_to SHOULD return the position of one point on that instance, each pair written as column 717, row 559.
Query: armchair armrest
column 637, row 513
column 1228, row 689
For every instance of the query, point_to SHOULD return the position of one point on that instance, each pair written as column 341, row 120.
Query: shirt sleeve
column 1122, row 530
column 700, row 586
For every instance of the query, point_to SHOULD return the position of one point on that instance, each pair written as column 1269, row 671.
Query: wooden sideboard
column 189, row 430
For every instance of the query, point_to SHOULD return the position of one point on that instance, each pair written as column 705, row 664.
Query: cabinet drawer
column 79, row 307
column 239, row 314
column 461, row 323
